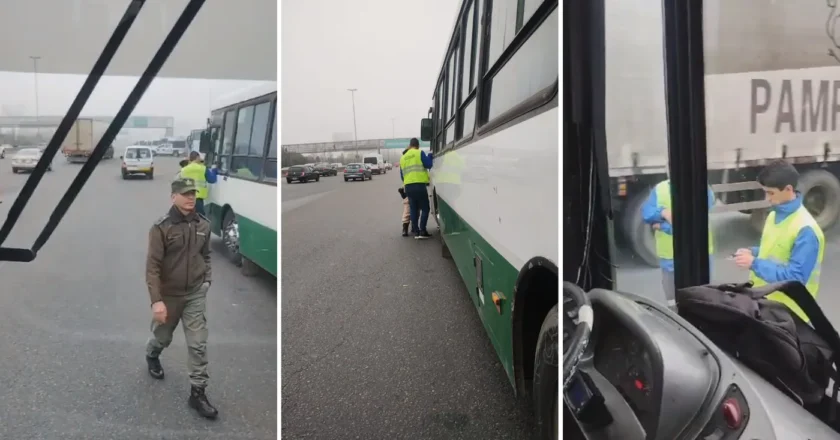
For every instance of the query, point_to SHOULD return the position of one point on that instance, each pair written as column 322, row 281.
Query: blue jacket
column 803, row 257
column 425, row 158
column 211, row 175
column 652, row 213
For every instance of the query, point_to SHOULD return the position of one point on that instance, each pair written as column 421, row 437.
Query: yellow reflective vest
column 412, row 167
column 196, row 171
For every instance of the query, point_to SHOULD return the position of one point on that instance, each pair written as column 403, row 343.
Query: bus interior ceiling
column 587, row 252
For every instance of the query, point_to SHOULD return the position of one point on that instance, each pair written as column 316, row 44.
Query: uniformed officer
column 202, row 176
column 178, row 276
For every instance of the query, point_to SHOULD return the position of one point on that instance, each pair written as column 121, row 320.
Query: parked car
column 357, row 171
column 325, row 169
column 138, row 160
column 302, row 174
column 26, row 159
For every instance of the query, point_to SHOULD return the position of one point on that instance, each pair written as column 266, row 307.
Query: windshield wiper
column 114, row 42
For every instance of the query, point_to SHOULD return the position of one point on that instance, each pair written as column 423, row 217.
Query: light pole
column 35, row 76
column 355, row 134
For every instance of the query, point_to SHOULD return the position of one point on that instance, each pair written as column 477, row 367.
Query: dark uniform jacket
column 178, row 261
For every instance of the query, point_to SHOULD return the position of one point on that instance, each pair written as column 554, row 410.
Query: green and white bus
column 242, row 204
column 494, row 134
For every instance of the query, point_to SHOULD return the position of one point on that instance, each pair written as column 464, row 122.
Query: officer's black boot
column 405, row 230
column 155, row 368
column 199, row 402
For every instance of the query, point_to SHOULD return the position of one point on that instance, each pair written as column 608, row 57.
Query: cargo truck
column 82, row 139
column 772, row 91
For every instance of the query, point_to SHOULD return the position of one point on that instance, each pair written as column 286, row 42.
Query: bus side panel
column 258, row 244
column 465, row 245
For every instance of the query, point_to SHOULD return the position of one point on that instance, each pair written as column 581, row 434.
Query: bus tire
column 637, row 232
column 545, row 392
column 829, row 188
column 248, row 268
column 232, row 249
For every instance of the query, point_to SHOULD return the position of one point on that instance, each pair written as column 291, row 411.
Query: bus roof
column 244, row 94
column 241, row 40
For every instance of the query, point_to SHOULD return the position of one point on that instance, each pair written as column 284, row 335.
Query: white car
column 138, row 160
column 3, row 149
column 26, row 159
column 164, row 150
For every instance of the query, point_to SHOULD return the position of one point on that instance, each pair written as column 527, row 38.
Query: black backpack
column 770, row 339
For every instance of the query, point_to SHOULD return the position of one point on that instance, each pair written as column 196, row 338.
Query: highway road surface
column 75, row 322
column 379, row 337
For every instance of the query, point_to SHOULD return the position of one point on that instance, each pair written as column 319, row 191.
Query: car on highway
column 26, row 159
column 376, row 163
column 4, row 149
column 138, row 160
column 164, row 150
column 357, row 171
column 325, row 169
column 302, row 174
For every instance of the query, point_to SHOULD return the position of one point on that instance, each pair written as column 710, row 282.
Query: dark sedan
column 302, row 175
column 326, row 170
column 357, row 171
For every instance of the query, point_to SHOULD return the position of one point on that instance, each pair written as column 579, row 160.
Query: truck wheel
column 546, row 395
column 638, row 234
column 821, row 196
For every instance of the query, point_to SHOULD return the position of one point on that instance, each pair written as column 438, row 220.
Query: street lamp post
column 355, row 133
column 35, row 76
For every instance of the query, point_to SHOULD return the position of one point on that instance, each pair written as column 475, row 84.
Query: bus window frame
column 270, row 98
column 541, row 101
column 686, row 125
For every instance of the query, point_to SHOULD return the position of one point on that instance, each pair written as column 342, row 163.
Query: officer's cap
column 183, row 185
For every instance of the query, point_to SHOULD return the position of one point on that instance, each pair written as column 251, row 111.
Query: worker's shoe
column 422, row 235
column 199, row 402
column 155, row 368
column 405, row 230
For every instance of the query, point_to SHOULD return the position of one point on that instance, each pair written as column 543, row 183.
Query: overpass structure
column 165, row 122
column 366, row 145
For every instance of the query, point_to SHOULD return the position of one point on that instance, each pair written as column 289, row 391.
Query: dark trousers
column 418, row 202
column 199, row 207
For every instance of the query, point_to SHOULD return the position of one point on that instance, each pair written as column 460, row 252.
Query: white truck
column 82, row 139
column 772, row 92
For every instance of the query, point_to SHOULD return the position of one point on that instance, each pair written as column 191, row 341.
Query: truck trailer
column 82, row 139
column 772, row 91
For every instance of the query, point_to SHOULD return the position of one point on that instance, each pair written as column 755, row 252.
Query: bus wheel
column 545, row 378
column 230, row 236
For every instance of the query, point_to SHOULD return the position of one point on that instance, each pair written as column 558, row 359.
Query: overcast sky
column 390, row 50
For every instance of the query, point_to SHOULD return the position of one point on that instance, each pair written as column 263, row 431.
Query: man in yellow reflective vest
column 202, row 176
column 656, row 211
column 414, row 172
column 792, row 243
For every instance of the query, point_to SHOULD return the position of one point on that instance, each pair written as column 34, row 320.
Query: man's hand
column 744, row 259
column 656, row 226
column 666, row 214
column 159, row 312
column 745, row 251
